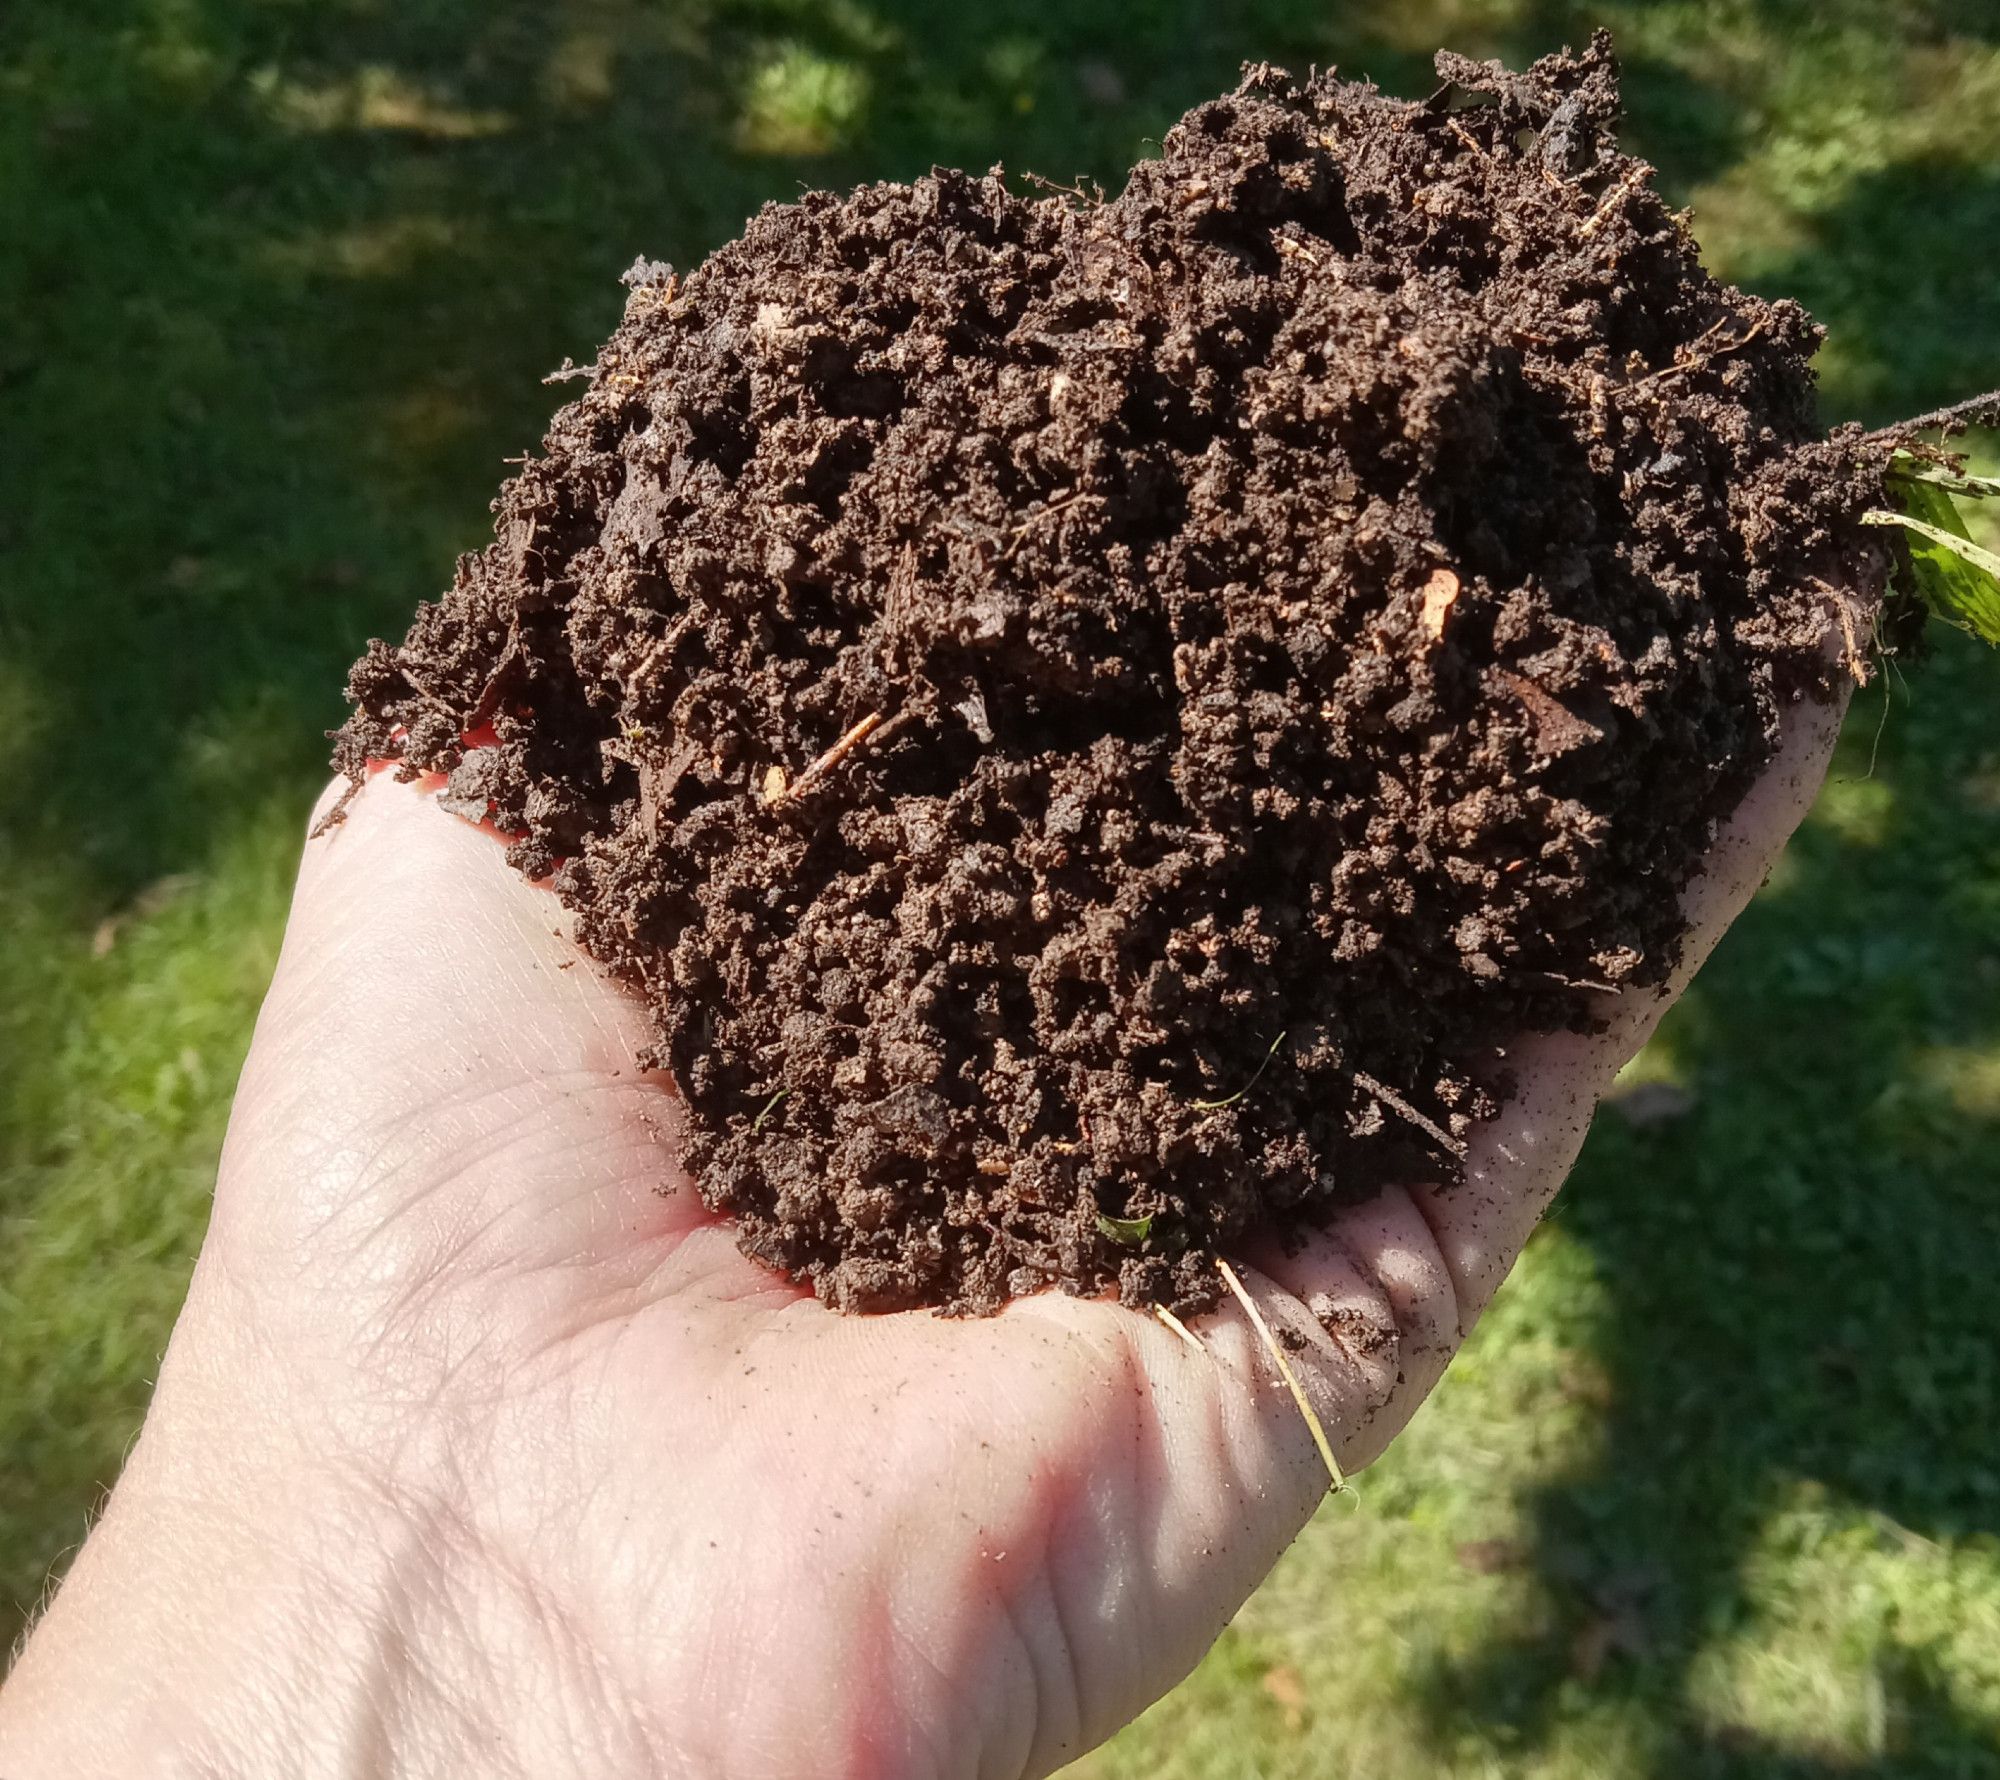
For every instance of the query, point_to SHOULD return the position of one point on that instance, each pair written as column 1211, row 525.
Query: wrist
column 255, row 1601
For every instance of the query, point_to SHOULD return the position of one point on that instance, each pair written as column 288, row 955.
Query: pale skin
column 477, row 1453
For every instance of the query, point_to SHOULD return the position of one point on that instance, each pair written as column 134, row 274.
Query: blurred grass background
column 1716, row 1489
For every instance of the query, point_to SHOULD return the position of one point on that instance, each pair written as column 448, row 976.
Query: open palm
column 620, row 1501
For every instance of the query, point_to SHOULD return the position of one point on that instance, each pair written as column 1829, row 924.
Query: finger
column 1518, row 1160
column 1379, row 1302
column 1314, row 1287
column 1377, row 1283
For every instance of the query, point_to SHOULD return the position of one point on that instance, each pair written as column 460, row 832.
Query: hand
column 479, row 1449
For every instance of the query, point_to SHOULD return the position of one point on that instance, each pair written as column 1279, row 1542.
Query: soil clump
column 1095, row 725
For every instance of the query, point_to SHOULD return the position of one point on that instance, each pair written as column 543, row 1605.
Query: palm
column 773, row 1539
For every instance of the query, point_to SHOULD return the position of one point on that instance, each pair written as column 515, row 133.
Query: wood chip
column 1440, row 594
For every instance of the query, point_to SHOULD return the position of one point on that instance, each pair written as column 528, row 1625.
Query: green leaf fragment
column 1130, row 1231
column 1905, row 468
column 1956, row 578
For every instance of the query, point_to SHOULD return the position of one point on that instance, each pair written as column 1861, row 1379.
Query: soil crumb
column 1094, row 725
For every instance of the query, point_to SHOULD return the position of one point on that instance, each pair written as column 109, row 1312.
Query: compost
column 1094, row 725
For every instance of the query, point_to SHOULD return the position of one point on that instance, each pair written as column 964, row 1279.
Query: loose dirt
column 1095, row 725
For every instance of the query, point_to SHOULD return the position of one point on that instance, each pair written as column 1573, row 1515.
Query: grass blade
column 1285, row 1372
column 1231, row 1099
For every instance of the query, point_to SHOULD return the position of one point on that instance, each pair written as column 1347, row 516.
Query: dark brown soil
column 1094, row 725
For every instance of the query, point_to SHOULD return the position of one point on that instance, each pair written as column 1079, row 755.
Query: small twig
column 830, row 759
column 1843, row 612
column 1075, row 191
column 1603, row 211
column 1556, row 976
column 1048, row 509
column 1285, row 1372
column 1973, row 411
column 1179, row 1328
column 1391, row 1099
column 1888, row 699
column 1701, row 360
column 338, row 814
column 770, row 1106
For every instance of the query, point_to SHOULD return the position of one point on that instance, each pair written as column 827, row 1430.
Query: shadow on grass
column 286, row 279
column 280, row 282
column 1799, row 1274
column 1900, row 271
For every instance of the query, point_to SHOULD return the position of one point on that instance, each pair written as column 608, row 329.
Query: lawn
column 1715, row 1491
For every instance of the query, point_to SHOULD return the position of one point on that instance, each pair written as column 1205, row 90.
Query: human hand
column 479, row 1448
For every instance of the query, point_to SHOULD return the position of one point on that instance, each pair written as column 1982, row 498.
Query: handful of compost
column 1095, row 725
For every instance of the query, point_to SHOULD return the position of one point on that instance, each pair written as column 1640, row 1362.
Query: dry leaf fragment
column 156, row 896
column 1490, row 1557
column 1558, row 729
column 1289, row 1694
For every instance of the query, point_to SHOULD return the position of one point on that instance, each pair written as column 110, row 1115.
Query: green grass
column 1717, row 1488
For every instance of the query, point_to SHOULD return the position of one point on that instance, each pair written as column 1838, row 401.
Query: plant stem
column 1973, row 411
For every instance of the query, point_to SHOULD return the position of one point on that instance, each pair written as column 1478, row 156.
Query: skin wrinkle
column 1061, row 1715
column 1425, row 1317
column 1332, row 1378
column 466, row 1244
column 340, row 1174
column 1381, row 1305
column 1149, row 1455
column 1456, row 1318
column 301, row 1598
column 476, row 1243
column 414, row 1222
column 413, row 1322
column 1016, row 1653
column 454, row 1543
column 572, row 1329
column 1322, row 1269
column 955, row 1725
column 1410, row 1311
column 861, row 1739
column 1108, row 1512
column 613, row 1699
column 1052, row 1633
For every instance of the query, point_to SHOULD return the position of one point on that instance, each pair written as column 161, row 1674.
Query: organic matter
column 1096, row 725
